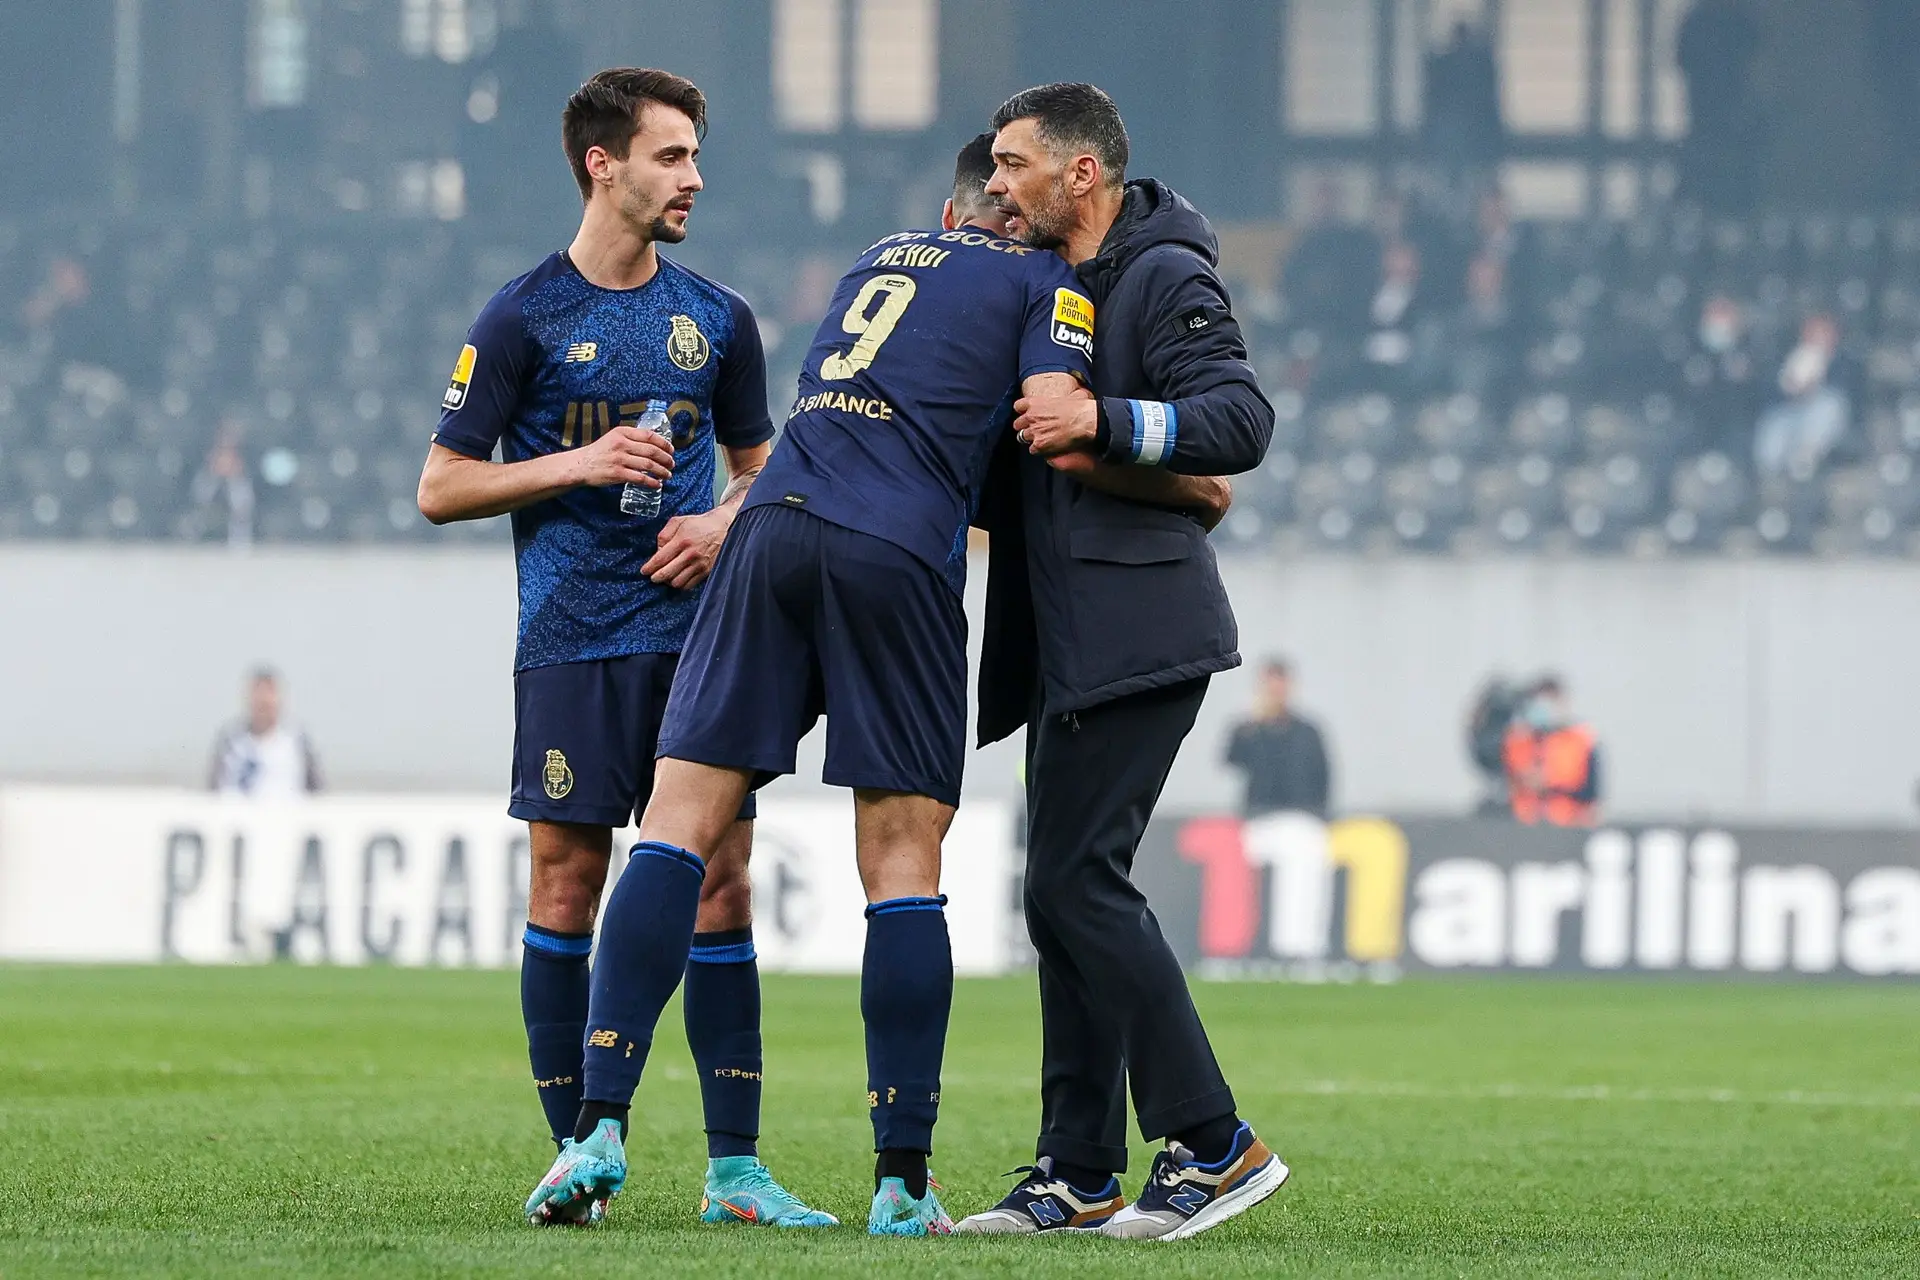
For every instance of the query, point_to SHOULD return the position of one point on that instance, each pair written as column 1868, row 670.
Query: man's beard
column 654, row 220
column 1046, row 226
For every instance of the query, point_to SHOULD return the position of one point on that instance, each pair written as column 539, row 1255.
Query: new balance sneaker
column 1041, row 1202
column 583, row 1178
column 1183, row 1197
column 741, row 1191
column 895, row 1213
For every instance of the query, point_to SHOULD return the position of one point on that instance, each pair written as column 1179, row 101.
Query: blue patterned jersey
column 554, row 362
column 911, row 378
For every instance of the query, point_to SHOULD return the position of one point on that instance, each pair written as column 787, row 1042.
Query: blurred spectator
column 1282, row 753
column 223, row 479
column 263, row 756
column 1494, row 710
column 1795, row 435
column 1464, row 134
column 1720, row 374
column 1403, row 343
column 1485, row 337
column 1329, row 277
column 1717, row 45
column 1552, row 761
column 63, row 314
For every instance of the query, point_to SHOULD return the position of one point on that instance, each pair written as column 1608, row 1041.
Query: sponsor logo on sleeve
column 462, row 376
column 1073, row 320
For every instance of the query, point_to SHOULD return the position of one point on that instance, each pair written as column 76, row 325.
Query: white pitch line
column 1593, row 1093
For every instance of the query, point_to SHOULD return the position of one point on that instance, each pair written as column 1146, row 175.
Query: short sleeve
column 740, row 418
column 487, row 380
column 1058, row 336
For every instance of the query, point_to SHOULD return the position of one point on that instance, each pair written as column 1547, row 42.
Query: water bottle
column 637, row 499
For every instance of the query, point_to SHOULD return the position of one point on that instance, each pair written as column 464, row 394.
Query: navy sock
column 722, row 1004
column 643, row 951
column 1085, row 1179
column 906, row 993
column 1212, row 1141
column 553, row 1003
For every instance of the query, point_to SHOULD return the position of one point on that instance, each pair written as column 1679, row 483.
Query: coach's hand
column 626, row 455
column 688, row 547
column 1057, row 425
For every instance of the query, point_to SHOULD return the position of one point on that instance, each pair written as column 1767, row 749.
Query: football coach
column 1105, row 619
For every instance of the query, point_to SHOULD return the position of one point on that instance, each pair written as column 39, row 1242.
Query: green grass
column 209, row 1122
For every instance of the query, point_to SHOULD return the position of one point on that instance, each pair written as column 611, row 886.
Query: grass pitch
column 213, row 1122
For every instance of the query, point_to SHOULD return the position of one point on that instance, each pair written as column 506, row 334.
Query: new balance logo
column 1188, row 1200
column 582, row 352
column 603, row 1040
column 1047, row 1213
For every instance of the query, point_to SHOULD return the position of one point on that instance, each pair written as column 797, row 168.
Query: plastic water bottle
column 637, row 499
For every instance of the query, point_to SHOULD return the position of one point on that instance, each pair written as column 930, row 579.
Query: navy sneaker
column 1183, row 1197
column 1041, row 1202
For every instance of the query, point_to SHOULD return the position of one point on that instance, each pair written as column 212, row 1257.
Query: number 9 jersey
column 910, row 380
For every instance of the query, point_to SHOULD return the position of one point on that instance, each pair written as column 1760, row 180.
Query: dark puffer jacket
column 1089, row 597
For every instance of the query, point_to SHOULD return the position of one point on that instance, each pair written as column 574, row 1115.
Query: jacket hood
column 1151, row 214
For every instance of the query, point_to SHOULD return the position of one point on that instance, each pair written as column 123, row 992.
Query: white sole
column 961, row 1230
column 1269, row 1178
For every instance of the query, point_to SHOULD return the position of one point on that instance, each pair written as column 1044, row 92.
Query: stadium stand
column 1566, row 387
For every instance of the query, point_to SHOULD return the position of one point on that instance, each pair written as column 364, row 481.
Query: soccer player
column 556, row 371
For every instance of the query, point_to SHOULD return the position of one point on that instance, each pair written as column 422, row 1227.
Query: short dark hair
column 972, row 170
column 1075, row 116
column 1550, row 685
column 605, row 112
column 1276, row 666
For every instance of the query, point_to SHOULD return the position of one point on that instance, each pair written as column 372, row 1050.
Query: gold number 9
column 871, row 330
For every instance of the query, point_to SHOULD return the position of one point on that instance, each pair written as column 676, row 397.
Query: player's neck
column 1102, row 208
column 608, row 252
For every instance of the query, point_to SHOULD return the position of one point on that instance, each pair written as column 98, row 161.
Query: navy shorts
column 803, row 617
column 583, row 739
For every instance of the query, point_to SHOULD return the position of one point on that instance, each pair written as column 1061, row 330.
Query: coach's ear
column 947, row 221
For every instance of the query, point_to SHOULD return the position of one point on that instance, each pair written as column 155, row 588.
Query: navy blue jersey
column 912, row 376
column 554, row 362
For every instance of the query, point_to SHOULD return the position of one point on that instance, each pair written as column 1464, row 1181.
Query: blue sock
column 906, row 993
column 553, row 1002
column 643, row 951
column 722, row 1004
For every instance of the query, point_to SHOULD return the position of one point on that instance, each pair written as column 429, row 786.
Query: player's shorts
column 802, row 617
column 583, row 739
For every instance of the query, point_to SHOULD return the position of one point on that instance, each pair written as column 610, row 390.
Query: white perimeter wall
column 1758, row 690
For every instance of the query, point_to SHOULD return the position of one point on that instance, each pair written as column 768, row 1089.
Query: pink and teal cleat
column 895, row 1213
column 583, row 1178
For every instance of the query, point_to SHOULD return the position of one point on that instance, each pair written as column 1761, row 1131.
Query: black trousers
column 1113, row 1001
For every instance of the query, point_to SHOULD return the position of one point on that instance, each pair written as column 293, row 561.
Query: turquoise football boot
column 741, row 1192
column 583, row 1178
column 895, row 1213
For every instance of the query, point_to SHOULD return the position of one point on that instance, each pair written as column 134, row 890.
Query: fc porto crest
column 557, row 776
column 687, row 347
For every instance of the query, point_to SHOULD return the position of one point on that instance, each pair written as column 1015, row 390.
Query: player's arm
column 689, row 545
column 456, row 486
column 461, row 482
column 1205, row 498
